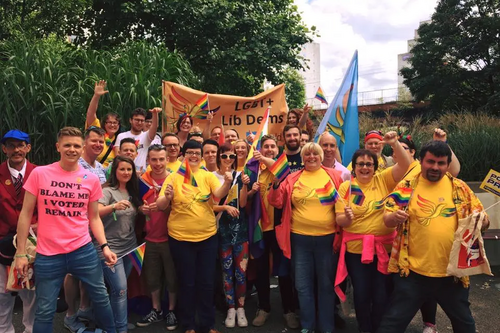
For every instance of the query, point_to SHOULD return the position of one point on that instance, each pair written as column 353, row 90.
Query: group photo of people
column 219, row 216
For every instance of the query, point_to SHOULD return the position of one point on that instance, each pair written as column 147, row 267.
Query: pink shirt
column 156, row 227
column 62, row 202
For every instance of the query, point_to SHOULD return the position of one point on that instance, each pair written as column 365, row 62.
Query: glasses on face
column 14, row 146
column 192, row 153
column 138, row 120
column 226, row 156
column 149, row 121
column 112, row 123
column 367, row 164
column 172, row 145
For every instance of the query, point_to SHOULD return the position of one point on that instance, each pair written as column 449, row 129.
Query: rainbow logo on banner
column 401, row 196
column 321, row 96
column 185, row 171
column 359, row 196
column 327, row 195
column 137, row 257
column 202, row 103
column 280, row 169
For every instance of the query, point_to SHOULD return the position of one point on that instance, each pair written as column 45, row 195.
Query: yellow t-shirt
column 309, row 216
column 381, row 165
column 192, row 217
column 433, row 222
column 413, row 170
column 107, row 143
column 368, row 217
column 171, row 166
column 266, row 179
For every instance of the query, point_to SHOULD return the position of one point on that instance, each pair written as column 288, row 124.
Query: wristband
column 104, row 245
column 24, row 255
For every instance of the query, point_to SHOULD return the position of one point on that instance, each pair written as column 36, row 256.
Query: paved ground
column 484, row 299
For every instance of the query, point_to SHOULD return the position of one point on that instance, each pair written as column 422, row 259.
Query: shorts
column 159, row 267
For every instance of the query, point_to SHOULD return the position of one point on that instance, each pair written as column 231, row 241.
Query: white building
column 311, row 75
column 403, row 60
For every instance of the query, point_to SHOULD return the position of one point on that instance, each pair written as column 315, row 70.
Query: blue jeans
column 84, row 264
column 195, row 264
column 412, row 291
column 313, row 255
column 371, row 291
column 116, row 278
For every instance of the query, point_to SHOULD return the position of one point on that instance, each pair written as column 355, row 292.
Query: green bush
column 47, row 84
column 475, row 138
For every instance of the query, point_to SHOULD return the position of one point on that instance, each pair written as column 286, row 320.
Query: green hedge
column 474, row 137
column 47, row 84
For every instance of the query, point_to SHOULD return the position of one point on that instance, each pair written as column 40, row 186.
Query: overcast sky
column 378, row 29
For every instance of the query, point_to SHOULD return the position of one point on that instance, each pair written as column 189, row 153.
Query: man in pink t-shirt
column 65, row 195
column 157, row 258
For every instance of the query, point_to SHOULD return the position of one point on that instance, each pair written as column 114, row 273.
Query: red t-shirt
column 62, row 202
column 156, row 227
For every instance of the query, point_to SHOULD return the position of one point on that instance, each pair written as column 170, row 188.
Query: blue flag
column 341, row 117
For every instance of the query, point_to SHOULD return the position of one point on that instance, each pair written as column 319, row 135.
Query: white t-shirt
column 142, row 142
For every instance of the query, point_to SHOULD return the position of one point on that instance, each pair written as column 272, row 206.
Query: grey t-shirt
column 120, row 234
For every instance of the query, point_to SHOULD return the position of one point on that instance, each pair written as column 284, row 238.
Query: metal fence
column 382, row 96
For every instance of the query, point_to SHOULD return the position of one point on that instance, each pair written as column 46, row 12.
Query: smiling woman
column 307, row 198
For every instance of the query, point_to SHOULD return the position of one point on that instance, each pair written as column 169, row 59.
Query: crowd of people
column 320, row 225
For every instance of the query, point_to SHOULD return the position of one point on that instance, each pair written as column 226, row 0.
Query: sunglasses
column 226, row 156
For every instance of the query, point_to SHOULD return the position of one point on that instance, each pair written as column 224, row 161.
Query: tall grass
column 47, row 84
column 474, row 137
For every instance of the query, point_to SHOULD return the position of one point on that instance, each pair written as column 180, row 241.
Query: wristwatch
column 104, row 245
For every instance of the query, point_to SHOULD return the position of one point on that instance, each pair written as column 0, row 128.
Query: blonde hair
column 69, row 131
column 312, row 147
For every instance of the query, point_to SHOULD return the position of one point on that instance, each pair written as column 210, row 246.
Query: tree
column 39, row 19
column 231, row 45
column 456, row 59
column 295, row 90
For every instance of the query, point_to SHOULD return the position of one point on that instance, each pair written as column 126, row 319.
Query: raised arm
column 400, row 168
column 99, row 90
column 154, row 123
column 206, row 131
column 440, row 135
column 304, row 117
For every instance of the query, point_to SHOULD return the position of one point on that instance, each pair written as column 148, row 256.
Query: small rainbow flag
column 185, row 171
column 359, row 196
column 202, row 103
column 280, row 168
column 321, row 96
column 327, row 195
column 137, row 257
column 401, row 196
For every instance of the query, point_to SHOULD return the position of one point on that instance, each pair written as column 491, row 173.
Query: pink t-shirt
column 156, row 227
column 62, row 202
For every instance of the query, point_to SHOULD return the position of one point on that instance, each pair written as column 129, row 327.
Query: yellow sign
column 492, row 183
column 244, row 114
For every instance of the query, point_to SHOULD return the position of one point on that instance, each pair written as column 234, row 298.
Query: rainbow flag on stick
column 137, row 257
column 263, row 129
column 202, row 103
column 401, row 196
column 185, row 171
column 280, row 168
column 359, row 196
column 321, row 96
column 327, row 195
